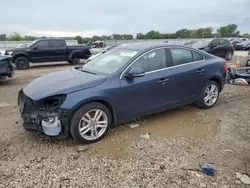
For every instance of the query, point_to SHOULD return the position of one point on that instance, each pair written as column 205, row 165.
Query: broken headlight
column 50, row 105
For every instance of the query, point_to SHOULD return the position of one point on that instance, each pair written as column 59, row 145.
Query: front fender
column 18, row 54
column 77, row 99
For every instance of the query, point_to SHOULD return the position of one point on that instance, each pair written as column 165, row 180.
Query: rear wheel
column 90, row 123
column 22, row 63
column 229, row 56
column 209, row 95
column 74, row 61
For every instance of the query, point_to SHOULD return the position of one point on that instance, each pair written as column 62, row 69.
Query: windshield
column 201, row 44
column 109, row 62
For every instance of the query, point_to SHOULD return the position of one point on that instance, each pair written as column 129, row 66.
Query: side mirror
column 135, row 72
column 35, row 48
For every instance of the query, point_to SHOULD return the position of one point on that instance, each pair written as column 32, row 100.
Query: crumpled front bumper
column 33, row 120
column 6, row 68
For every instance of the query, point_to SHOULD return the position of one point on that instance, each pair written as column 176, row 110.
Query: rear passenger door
column 187, row 74
column 58, row 49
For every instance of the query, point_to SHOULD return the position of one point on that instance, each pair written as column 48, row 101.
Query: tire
column 74, row 61
column 22, row 63
column 229, row 56
column 79, row 118
column 202, row 102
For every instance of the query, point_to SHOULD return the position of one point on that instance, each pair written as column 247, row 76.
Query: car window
column 223, row 42
column 201, row 44
column 197, row 56
column 215, row 42
column 151, row 61
column 57, row 43
column 42, row 44
column 110, row 61
column 181, row 56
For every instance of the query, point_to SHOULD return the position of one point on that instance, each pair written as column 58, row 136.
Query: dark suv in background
column 219, row 47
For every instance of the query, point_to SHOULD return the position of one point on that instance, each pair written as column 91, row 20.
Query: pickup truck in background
column 48, row 50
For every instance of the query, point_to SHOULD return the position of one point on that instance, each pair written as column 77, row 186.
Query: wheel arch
column 97, row 100
column 75, row 53
column 20, row 55
column 218, row 81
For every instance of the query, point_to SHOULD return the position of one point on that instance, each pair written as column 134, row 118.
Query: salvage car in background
column 6, row 68
column 189, row 43
column 237, row 40
column 49, row 50
column 219, row 47
column 9, row 51
column 127, row 82
column 102, row 51
column 245, row 45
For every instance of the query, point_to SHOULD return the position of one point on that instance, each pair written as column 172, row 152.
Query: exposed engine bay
column 41, row 116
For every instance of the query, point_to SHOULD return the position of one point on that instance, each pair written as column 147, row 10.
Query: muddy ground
column 179, row 140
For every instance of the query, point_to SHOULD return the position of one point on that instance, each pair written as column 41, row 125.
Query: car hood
column 17, row 49
column 61, row 82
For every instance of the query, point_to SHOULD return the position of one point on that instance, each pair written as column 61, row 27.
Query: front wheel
column 90, row 123
column 209, row 95
column 22, row 63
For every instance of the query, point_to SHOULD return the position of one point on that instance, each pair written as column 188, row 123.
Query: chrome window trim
column 159, row 48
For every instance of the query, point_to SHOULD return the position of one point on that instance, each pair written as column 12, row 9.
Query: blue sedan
column 127, row 82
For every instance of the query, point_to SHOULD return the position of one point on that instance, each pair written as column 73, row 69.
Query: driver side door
column 41, row 51
column 146, row 94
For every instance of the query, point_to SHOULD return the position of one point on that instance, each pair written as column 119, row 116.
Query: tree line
column 225, row 31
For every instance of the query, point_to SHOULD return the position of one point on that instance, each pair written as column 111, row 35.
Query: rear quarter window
column 181, row 56
column 197, row 56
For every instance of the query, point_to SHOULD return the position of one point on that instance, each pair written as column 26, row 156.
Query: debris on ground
column 207, row 168
column 244, row 178
column 132, row 126
column 145, row 135
column 240, row 81
column 239, row 76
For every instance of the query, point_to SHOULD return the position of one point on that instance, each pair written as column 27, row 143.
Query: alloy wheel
column 93, row 124
column 211, row 94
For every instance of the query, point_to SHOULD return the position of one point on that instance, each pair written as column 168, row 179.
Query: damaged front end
column 44, row 116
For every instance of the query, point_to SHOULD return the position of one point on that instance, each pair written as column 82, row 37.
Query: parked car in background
column 236, row 41
column 219, row 47
column 100, row 52
column 48, row 50
column 3, row 52
column 189, row 43
column 245, row 45
column 127, row 82
column 248, row 59
column 6, row 67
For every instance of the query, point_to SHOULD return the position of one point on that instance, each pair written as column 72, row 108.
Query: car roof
column 144, row 46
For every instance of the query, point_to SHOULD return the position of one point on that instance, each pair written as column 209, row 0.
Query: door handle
column 163, row 80
column 200, row 71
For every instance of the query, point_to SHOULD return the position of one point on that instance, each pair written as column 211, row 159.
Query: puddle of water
column 194, row 122
column 179, row 122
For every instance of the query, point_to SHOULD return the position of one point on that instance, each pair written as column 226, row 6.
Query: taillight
column 225, row 67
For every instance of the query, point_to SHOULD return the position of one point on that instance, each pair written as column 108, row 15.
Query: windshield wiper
column 88, row 71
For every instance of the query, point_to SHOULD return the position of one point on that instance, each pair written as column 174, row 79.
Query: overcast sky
column 98, row 17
